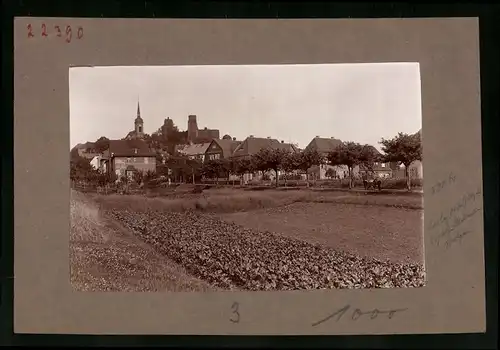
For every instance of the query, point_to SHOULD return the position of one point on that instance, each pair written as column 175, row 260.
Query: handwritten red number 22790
column 69, row 32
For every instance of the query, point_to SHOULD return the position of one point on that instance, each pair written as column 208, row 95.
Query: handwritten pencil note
column 356, row 314
column 447, row 229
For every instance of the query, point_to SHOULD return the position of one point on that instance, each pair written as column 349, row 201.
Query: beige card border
column 448, row 53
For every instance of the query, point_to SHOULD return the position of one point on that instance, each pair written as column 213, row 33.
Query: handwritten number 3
column 234, row 307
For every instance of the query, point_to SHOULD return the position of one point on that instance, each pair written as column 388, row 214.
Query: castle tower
column 139, row 123
column 192, row 129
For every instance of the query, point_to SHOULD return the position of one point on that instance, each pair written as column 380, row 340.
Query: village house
column 222, row 149
column 124, row 157
column 324, row 171
column 86, row 150
column 324, row 146
column 194, row 151
column 252, row 145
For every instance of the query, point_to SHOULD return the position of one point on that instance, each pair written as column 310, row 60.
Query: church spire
column 139, row 123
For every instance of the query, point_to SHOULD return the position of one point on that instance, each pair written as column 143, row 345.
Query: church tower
column 139, row 123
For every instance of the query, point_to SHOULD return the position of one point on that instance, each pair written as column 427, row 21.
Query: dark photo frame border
column 489, row 56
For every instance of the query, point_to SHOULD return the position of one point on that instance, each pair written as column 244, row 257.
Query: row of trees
column 403, row 149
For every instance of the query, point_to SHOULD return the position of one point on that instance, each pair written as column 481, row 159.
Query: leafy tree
column 349, row 154
column 241, row 166
column 138, row 176
column 193, row 167
column 208, row 169
column 167, row 137
column 237, row 167
column 73, row 154
column 214, row 168
column 367, row 158
column 404, row 149
column 270, row 159
column 290, row 162
column 101, row 144
column 104, row 179
column 181, row 167
column 149, row 175
column 228, row 168
column 307, row 159
column 160, row 158
column 81, row 169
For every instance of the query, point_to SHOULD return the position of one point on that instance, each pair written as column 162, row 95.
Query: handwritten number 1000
column 56, row 31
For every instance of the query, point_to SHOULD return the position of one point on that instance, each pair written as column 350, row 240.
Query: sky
column 361, row 102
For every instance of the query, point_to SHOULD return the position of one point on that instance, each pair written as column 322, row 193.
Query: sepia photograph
column 246, row 177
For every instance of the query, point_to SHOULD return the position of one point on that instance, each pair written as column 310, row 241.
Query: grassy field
column 227, row 200
column 367, row 230
column 105, row 257
column 136, row 242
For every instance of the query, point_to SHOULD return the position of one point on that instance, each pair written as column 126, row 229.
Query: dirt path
column 104, row 256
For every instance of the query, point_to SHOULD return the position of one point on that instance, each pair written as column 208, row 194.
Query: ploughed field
column 277, row 241
column 371, row 231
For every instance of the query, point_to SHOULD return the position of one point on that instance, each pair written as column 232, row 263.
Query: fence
column 158, row 186
column 89, row 187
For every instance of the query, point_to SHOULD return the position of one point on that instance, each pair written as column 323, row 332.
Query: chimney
column 332, row 137
column 282, row 141
column 205, row 128
column 234, row 138
column 269, row 137
column 251, row 136
column 317, row 137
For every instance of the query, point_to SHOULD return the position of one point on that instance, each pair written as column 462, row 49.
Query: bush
column 289, row 177
column 293, row 183
column 400, row 183
column 390, row 184
column 221, row 182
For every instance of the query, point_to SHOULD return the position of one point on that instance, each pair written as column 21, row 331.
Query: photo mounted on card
column 182, row 181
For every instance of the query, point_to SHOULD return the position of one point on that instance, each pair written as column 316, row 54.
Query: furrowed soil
column 269, row 240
